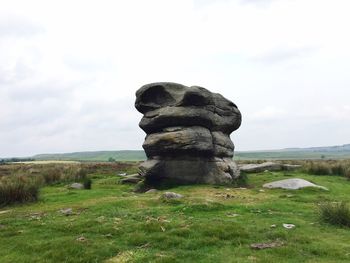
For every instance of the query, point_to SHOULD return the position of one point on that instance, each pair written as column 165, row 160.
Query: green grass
column 121, row 226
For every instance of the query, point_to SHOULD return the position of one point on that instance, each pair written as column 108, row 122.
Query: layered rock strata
column 188, row 134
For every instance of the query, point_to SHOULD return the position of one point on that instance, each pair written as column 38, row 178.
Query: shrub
column 18, row 189
column 51, row 175
column 335, row 213
column 347, row 173
column 87, row 183
column 319, row 168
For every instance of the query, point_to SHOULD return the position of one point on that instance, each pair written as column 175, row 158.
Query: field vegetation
column 112, row 223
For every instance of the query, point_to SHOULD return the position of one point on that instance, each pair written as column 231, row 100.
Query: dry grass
column 20, row 182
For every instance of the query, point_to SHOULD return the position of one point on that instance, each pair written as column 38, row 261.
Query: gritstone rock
column 188, row 134
column 267, row 166
column 292, row 184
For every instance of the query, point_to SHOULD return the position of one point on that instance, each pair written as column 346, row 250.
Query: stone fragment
column 66, row 211
column 171, row 195
column 266, row 167
column 267, row 245
column 288, row 226
column 76, row 186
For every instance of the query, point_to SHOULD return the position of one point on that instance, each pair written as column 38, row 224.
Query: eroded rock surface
column 292, row 184
column 188, row 131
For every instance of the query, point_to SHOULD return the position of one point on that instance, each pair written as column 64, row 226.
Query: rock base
column 190, row 170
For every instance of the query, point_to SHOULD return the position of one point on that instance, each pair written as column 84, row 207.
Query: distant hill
column 326, row 152
column 128, row 155
column 330, row 152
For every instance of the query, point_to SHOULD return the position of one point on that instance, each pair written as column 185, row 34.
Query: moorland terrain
column 112, row 223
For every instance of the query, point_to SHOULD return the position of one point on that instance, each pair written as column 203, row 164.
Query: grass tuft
column 335, row 213
column 18, row 189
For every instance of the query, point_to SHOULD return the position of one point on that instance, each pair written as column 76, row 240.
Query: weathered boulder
column 292, row 184
column 188, row 131
column 267, row 166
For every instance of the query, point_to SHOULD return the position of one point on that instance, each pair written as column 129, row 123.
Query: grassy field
column 140, row 155
column 111, row 223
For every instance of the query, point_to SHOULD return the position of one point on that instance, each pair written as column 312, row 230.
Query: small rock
column 67, row 211
column 151, row 191
column 262, row 167
column 171, row 195
column 266, row 245
column 288, row 226
column 76, row 186
column 273, row 226
column 109, row 235
column 261, row 190
column 122, row 174
column 81, row 239
column 232, row 214
column 132, row 179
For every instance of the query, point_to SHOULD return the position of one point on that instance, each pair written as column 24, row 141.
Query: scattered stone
column 292, row 184
column 267, row 167
column 152, row 191
column 273, row 226
column 81, row 239
column 261, row 167
column 76, row 186
column 171, row 195
column 261, row 190
column 122, row 174
column 188, row 131
column 132, row 179
column 232, row 214
column 267, row 245
column 288, row 226
column 67, row 211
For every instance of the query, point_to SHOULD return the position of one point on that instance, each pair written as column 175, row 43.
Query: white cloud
column 69, row 69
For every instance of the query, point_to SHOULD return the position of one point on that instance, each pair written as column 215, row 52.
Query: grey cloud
column 283, row 55
column 88, row 63
column 258, row 3
column 19, row 27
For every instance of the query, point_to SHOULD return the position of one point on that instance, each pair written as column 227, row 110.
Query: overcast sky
column 69, row 69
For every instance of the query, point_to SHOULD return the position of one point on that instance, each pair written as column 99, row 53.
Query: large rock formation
column 188, row 131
